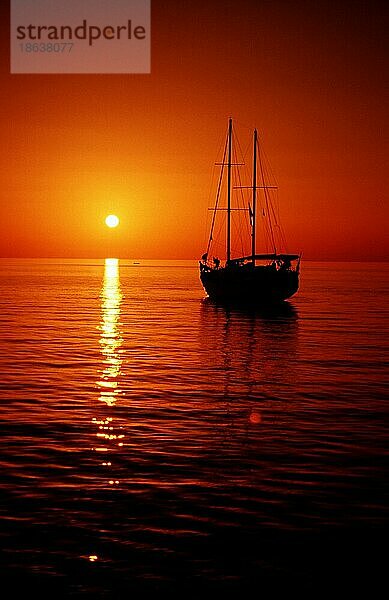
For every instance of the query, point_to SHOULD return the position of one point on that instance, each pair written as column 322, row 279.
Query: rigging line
column 244, row 226
column 217, row 197
column 268, row 234
column 239, row 147
column 263, row 224
column 281, row 231
column 218, row 245
column 274, row 214
column 278, row 224
column 238, row 225
column 266, row 228
column 275, row 208
column 266, row 198
column 208, row 218
column 269, row 176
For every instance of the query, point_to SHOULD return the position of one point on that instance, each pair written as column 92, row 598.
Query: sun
column 112, row 221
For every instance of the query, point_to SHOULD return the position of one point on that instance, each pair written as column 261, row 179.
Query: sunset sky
column 311, row 76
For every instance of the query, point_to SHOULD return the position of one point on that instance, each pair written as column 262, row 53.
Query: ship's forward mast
column 228, row 162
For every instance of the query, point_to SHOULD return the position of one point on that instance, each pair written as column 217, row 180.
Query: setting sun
column 112, row 221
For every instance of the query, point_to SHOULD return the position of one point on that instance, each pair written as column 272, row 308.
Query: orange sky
column 310, row 75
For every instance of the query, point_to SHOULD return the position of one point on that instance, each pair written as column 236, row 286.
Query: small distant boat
column 136, row 262
column 266, row 278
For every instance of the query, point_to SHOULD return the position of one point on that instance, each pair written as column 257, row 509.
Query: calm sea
column 153, row 442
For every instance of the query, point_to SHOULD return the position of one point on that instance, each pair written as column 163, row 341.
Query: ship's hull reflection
column 259, row 344
column 280, row 310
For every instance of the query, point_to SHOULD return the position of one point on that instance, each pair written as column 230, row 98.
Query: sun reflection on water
column 110, row 338
column 108, row 434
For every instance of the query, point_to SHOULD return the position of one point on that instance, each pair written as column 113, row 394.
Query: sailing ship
column 266, row 278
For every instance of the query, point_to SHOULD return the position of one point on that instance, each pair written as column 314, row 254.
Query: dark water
column 154, row 442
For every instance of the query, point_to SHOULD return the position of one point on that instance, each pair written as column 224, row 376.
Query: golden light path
column 110, row 338
column 108, row 435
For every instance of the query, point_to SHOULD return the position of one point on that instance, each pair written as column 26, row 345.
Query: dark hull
column 259, row 285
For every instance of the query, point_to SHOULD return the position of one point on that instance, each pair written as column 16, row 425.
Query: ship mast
column 254, row 215
column 229, row 192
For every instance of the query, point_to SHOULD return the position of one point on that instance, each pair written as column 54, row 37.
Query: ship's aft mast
column 229, row 191
column 254, row 214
